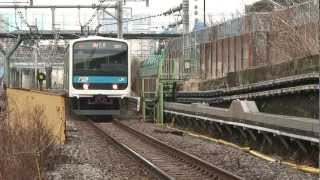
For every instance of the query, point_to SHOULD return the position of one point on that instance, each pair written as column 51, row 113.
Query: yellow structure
column 28, row 106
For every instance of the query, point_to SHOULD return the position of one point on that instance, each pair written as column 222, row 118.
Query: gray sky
column 213, row 6
column 70, row 17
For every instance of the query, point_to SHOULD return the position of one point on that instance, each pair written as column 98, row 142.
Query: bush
column 262, row 6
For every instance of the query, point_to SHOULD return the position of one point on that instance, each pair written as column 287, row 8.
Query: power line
column 134, row 19
column 94, row 14
column 168, row 12
column 91, row 19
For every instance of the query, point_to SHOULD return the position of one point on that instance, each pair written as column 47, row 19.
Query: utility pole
column 120, row 22
column 53, row 18
column 98, row 20
column 204, row 13
column 185, row 20
column 35, row 51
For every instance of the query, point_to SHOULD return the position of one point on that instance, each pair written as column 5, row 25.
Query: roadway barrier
column 50, row 107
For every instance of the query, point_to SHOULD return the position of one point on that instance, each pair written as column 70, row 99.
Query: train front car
column 99, row 75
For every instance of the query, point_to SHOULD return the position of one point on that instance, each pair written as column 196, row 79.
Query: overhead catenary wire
column 134, row 19
column 168, row 12
column 93, row 15
column 91, row 19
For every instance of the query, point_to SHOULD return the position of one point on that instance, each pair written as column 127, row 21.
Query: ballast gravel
column 231, row 159
column 87, row 156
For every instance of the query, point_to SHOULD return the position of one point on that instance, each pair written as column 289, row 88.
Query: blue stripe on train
column 100, row 79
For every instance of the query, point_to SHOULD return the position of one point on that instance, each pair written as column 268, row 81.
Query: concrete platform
column 245, row 115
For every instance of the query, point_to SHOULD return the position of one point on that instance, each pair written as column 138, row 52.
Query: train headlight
column 115, row 86
column 85, row 86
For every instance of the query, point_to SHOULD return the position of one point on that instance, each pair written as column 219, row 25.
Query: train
column 97, row 75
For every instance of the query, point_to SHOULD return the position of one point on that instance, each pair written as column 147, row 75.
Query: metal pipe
column 53, row 21
column 110, row 14
column 79, row 17
column 98, row 19
column 6, row 2
column 93, row 6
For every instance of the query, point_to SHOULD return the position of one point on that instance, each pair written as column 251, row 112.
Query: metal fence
column 29, row 59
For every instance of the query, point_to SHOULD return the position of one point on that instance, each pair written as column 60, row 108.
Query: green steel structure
column 155, row 87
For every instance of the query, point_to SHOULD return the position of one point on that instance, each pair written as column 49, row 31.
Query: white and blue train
column 98, row 75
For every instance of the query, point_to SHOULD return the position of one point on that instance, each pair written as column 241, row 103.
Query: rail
column 203, row 166
column 155, row 170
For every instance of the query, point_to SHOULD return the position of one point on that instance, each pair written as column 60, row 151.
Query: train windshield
column 100, row 62
column 100, row 58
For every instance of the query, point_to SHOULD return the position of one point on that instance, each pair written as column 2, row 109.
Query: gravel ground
column 231, row 159
column 172, row 166
column 87, row 156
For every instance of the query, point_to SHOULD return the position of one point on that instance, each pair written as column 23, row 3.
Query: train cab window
column 100, row 59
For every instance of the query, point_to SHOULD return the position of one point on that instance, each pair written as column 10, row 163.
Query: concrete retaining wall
column 269, row 72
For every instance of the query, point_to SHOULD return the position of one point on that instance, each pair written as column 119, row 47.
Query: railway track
column 164, row 161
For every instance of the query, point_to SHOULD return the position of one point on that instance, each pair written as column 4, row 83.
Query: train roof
column 97, row 38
